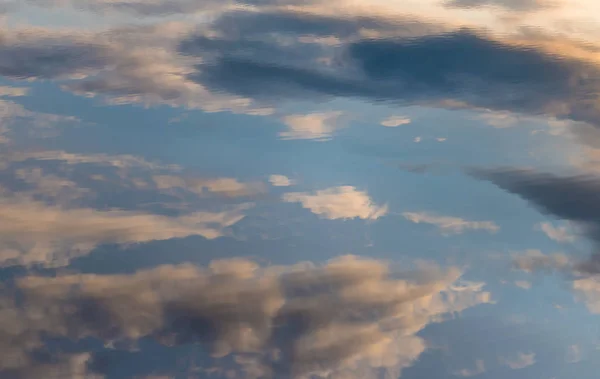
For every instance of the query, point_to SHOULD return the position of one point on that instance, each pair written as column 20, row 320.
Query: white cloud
column 394, row 121
column 558, row 234
column 468, row 372
column 450, row 225
column 338, row 203
column 281, row 181
column 520, row 361
column 316, row 126
column 441, row 139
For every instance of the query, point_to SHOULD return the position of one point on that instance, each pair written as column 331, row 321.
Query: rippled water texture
column 299, row 189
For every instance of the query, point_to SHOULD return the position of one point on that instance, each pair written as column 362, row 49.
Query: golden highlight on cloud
column 32, row 232
column 350, row 317
column 450, row 225
column 343, row 202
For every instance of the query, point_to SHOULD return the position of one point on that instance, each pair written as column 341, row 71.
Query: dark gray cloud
column 463, row 66
column 248, row 25
column 48, row 59
column 575, row 198
column 285, row 55
column 288, row 322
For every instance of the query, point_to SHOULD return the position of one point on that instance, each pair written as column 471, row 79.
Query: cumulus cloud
column 281, row 181
column 350, row 317
column 394, row 121
column 468, row 372
column 520, row 361
column 343, row 202
column 450, row 225
column 32, row 232
column 316, row 126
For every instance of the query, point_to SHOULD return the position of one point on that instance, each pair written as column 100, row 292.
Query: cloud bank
column 350, row 317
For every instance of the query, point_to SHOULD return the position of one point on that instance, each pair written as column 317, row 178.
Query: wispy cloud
column 230, row 187
column 394, row 121
column 450, row 225
column 520, row 361
column 32, row 232
column 16, row 118
column 524, row 284
column 574, row 354
column 515, row 5
column 534, row 260
column 558, row 234
column 468, row 372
